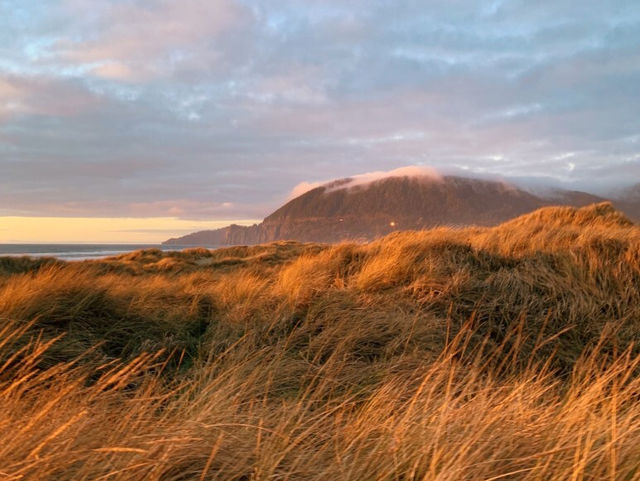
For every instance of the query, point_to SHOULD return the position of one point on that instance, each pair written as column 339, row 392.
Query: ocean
column 77, row 252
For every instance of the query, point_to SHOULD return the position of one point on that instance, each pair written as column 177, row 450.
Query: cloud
column 179, row 208
column 184, row 209
column 10, row 98
column 303, row 187
column 156, row 106
column 138, row 40
column 113, row 70
column 25, row 95
column 414, row 172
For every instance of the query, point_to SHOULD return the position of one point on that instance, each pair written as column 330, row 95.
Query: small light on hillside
column 392, row 223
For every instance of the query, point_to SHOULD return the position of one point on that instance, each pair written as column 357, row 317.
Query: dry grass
column 479, row 354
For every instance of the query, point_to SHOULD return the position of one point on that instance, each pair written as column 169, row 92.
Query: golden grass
column 479, row 354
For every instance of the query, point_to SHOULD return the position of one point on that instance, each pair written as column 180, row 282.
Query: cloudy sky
column 187, row 114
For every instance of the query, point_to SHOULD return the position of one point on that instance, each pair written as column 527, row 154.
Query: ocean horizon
column 80, row 252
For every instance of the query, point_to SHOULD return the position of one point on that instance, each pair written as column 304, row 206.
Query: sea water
column 77, row 252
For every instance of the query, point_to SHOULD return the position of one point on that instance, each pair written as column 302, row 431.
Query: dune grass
column 480, row 354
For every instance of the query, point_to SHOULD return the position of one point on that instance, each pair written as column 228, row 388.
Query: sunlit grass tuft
column 483, row 354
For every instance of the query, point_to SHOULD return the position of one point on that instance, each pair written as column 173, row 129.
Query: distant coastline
column 79, row 252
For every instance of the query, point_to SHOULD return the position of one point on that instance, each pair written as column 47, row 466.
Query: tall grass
column 480, row 354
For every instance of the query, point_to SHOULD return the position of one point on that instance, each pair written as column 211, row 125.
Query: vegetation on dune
column 478, row 353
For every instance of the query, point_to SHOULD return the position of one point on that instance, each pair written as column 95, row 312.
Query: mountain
column 347, row 210
column 628, row 201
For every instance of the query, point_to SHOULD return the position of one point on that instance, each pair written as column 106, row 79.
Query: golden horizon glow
column 98, row 230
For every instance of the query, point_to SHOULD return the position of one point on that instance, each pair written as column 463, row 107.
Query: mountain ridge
column 344, row 210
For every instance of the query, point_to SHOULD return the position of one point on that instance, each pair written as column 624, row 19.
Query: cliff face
column 230, row 235
column 336, row 211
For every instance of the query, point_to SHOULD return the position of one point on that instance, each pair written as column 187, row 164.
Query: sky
column 133, row 120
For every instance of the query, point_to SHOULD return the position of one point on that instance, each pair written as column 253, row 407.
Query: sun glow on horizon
column 123, row 230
